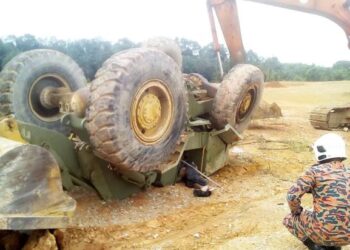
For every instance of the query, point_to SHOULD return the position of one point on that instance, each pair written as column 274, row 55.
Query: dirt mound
column 274, row 84
column 267, row 110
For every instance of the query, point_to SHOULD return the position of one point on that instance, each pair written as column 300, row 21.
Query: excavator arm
column 227, row 15
column 226, row 11
column 336, row 10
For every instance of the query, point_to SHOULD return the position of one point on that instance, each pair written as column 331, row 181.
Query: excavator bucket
column 9, row 129
column 31, row 194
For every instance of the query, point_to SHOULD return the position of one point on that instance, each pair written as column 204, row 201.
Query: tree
column 27, row 42
column 123, row 44
column 91, row 53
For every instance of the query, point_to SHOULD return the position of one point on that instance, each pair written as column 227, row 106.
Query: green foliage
column 202, row 60
column 90, row 54
column 275, row 70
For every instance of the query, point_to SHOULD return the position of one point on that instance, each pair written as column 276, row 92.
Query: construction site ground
column 246, row 213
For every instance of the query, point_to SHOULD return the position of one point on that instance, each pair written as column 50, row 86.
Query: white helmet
column 329, row 146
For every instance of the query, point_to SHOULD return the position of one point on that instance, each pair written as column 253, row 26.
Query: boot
column 200, row 193
column 312, row 246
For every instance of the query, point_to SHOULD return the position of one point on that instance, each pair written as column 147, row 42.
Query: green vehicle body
column 80, row 166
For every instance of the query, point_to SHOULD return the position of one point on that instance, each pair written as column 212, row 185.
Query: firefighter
column 327, row 226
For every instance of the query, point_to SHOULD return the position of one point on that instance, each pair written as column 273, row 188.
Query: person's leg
column 189, row 183
column 312, row 246
column 201, row 187
column 301, row 226
column 298, row 224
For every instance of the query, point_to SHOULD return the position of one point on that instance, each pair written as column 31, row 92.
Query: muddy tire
column 196, row 79
column 237, row 97
column 23, row 78
column 137, row 109
column 168, row 46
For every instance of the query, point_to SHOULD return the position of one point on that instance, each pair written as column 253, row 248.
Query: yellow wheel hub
column 247, row 100
column 246, row 105
column 152, row 112
column 149, row 111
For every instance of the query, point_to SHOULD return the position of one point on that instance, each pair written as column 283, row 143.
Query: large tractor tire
column 167, row 45
column 137, row 109
column 23, row 79
column 237, row 97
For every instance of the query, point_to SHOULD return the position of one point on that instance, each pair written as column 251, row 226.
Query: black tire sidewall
column 240, row 126
column 166, row 45
column 153, row 70
column 24, row 83
column 129, row 152
column 236, row 84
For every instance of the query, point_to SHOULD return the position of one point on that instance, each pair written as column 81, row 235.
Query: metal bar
column 208, row 178
column 213, row 28
column 227, row 15
column 220, row 64
column 202, row 160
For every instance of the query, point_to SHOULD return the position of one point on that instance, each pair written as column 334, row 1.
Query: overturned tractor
column 126, row 130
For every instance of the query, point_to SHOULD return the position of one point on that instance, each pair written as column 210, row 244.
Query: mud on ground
column 246, row 213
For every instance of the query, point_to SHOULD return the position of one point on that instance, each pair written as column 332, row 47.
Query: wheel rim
column 247, row 104
column 42, row 82
column 152, row 112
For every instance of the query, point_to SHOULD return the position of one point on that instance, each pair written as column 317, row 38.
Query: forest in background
column 91, row 53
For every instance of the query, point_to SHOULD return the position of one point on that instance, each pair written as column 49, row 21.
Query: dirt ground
column 246, row 213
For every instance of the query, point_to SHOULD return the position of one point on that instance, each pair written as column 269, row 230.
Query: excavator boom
column 227, row 15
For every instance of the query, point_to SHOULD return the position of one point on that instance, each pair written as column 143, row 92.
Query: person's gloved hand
column 298, row 211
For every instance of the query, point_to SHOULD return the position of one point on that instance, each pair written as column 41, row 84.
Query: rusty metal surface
column 227, row 15
column 50, row 97
column 79, row 101
column 200, row 83
column 226, row 11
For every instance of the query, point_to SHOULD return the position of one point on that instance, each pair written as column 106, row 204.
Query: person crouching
column 327, row 226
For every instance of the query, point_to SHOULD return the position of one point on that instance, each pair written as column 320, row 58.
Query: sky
column 292, row 36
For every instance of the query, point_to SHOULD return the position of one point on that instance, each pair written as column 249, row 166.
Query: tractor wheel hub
column 149, row 111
